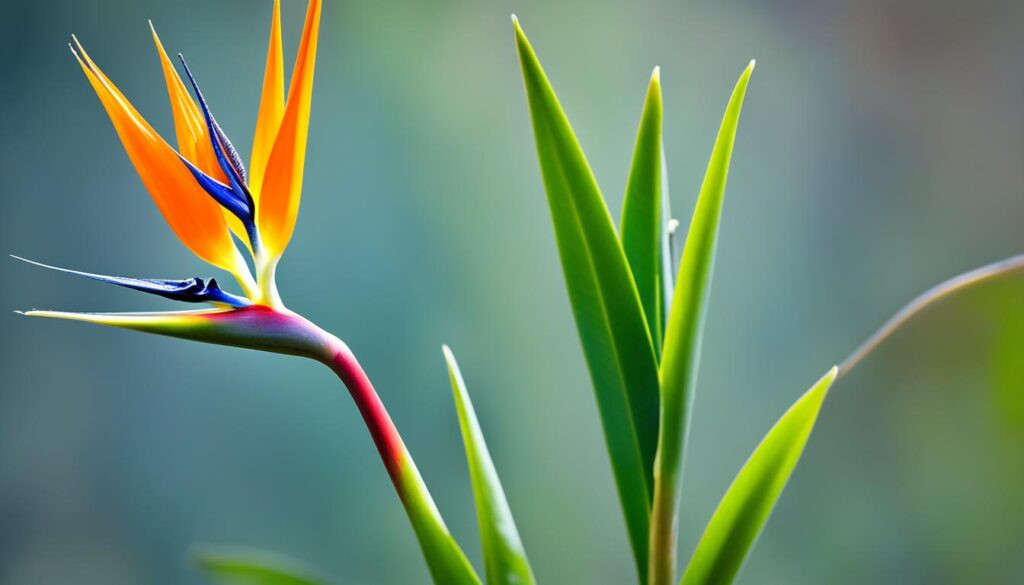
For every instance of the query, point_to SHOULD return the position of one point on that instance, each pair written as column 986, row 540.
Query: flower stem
column 447, row 562
column 266, row 279
column 382, row 429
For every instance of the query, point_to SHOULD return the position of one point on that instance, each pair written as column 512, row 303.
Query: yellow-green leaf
column 504, row 557
column 681, row 354
column 642, row 224
column 743, row 511
column 243, row 566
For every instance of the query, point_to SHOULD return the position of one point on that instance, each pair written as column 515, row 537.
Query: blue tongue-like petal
column 190, row 290
column 221, row 193
column 227, row 156
column 234, row 196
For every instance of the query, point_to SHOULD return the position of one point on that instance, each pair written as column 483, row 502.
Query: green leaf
column 504, row 557
column 743, row 511
column 642, row 223
column 609, row 316
column 681, row 354
column 243, row 566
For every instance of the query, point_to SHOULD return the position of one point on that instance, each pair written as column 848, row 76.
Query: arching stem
column 446, row 560
column 929, row 298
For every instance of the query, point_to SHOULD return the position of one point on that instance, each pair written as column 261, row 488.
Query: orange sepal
column 190, row 127
column 193, row 216
column 281, row 190
column 271, row 106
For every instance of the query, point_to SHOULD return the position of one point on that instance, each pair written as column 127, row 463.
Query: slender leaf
column 242, row 566
column 504, row 557
column 642, row 223
column 743, row 511
column 609, row 316
column 683, row 335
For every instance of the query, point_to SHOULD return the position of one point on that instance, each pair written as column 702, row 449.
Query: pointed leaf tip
column 504, row 556
column 684, row 333
column 609, row 316
column 643, row 209
column 520, row 34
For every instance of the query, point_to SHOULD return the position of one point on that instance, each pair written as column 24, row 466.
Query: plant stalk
column 444, row 557
column 928, row 298
column 661, row 567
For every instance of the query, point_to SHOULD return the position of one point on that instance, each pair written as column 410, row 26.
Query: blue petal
column 221, row 193
column 230, row 163
column 233, row 156
column 234, row 197
column 191, row 290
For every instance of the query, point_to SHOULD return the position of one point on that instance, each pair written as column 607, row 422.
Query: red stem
column 382, row 429
column 443, row 555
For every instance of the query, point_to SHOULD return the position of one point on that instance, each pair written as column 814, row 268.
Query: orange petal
column 193, row 216
column 282, row 181
column 271, row 106
column 190, row 126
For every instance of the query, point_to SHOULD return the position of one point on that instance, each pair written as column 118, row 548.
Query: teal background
column 880, row 151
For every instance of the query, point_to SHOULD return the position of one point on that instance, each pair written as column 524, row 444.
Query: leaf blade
column 746, row 506
column 244, row 566
column 642, row 225
column 609, row 316
column 504, row 556
column 683, row 335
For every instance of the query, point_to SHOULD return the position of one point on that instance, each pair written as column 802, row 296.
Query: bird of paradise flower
column 211, row 200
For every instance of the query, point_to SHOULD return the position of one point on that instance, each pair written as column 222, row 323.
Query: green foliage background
column 879, row 153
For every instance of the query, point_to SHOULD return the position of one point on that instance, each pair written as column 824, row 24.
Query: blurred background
column 880, row 151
